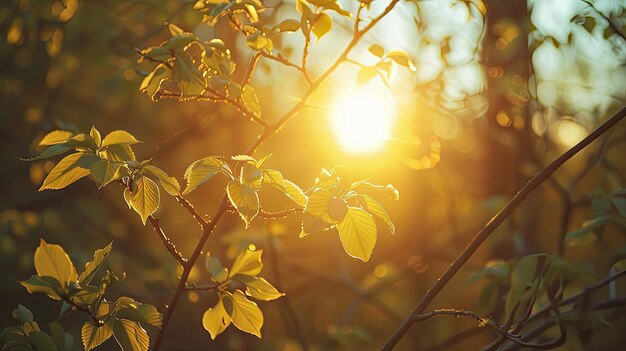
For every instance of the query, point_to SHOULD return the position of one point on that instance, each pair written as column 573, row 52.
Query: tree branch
column 169, row 245
column 491, row 226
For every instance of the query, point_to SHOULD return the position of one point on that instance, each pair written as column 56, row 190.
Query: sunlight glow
column 362, row 119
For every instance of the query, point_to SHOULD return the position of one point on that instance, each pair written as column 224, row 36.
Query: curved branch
column 491, row 226
column 169, row 245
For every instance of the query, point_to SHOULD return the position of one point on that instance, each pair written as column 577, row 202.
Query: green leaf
column 315, row 217
column 22, row 314
column 42, row 341
column 215, row 320
column 82, row 142
column 119, row 137
column 246, row 314
column 322, row 25
column 52, row 261
column 250, row 100
column 214, row 267
column 70, row 169
column 169, row 184
column 377, row 50
column 357, row 232
column 93, row 336
column 201, row 171
column 261, row 289
column 244, row 199
column 104, row 171
column 619, row 201
column 55, row 137
column 91, row 267
column 375, row 208
column 53, row 150
column 47, row 285
column 402, row 58
column 580, row 237
column 130, row 335
column 523, row 281
column 247, row 263
column 145, row 197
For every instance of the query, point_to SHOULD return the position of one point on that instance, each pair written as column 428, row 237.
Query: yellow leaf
column 52, row 261
column 55, row 137
column 357, row 232
column 244, row 199
column 104, row 171
column 67, row 171
column 246, row 314
column 315, row 217
column 119, row 137
column 92, row 266
column 261, row 289
column 247, row 263
column 170, row 184
column 130, row 335
column 145, row 197
column 322, row 25
column 200, row 171
column 376, row 209
column 215, row 320
column 93, row 336
column 295, row 193
column 402, row 58
column 95, row 135
column 128, row 197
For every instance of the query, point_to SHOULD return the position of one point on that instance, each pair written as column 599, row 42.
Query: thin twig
column 169, row 245
column 491, row 226
column 278, row 214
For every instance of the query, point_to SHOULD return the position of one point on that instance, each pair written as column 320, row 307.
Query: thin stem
column 279, row 58
column 182, row 283
column 491, row 226
column 169, row 245
column 192, row 211
column 85, row 309
column 208, row 287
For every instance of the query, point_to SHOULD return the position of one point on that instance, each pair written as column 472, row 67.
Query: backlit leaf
column 145, row 197
column 151, row 84
column 288, row 25
column 375, row 208
column 315, row 217
column 251, row 176
column 357, row 232
column 118, row 153
column 215, row 320
column 170, row 184
column 52, row 261
column 119, row 137
column 104, row 171
column 130, row 335
column 70, row 169
column 246, row 314
column 200, row 171
column 55, row 137
column 366, row 74
column 47, row 285
column 244, row 199
column 247, row 263
column 295, row 193
column 91, row 267
column 261, row 289
column 93, row 336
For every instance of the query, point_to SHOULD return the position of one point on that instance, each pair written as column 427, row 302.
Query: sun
column 362, row 119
